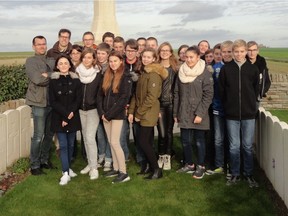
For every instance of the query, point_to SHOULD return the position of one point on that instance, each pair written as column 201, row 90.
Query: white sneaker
column 94, row 174
column 100, row 162
column 85, row 170
column 167, row 162
column 65, row 179
column 107, row 166
column 72, row 174
column 161, row 161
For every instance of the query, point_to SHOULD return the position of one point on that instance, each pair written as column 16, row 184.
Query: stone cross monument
column 104, row 19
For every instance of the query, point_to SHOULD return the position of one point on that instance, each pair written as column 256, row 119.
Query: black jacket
column 265, row 82
column 168, row 88
column 89, row 93
column 55, row 53
column 238, row 90
column 112, row 105
column 65, row 97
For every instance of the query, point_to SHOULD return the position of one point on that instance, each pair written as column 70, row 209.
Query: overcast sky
column 176, row 21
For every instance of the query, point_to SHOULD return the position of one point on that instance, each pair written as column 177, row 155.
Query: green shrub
column 13, row 82
column 21, row 166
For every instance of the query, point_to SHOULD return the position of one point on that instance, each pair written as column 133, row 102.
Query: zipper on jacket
column 240, row 95
column 84, row 95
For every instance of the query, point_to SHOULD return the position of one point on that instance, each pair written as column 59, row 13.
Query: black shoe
column 155, row 175
column 251, row 181
column 145, row 169
column 37, row 171
column 111, row 173
column 47, row 165
column 122, row 177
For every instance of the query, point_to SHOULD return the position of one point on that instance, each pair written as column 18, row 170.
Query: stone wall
column 277, row 96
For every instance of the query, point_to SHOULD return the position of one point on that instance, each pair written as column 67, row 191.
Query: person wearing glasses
column 254, row 57
column 89, row 40
column 62, row 46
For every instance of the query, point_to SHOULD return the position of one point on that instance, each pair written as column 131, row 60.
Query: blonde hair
column 239, row 43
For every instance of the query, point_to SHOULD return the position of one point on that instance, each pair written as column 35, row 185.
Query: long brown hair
column 109, row 74
column 172, row 59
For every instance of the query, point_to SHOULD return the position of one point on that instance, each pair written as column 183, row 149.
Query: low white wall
column 273, row 151
column 15, row 135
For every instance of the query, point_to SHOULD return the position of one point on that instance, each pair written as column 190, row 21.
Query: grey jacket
column 193, row 99
column 37, row 92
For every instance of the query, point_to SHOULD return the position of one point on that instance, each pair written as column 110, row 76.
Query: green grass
column 275, row 54
column 281, row 114
column 15, row 55
column 174, row 194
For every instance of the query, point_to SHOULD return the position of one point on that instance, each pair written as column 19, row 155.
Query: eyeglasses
column 253, row 50
column 130, row 51
column 64, row 37
column 165, row 51
column 44, row 44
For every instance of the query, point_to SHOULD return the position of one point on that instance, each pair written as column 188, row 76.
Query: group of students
column 100, row 89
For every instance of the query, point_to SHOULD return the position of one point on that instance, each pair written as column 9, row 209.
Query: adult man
column 62, row 46
column 119, row 44
column 88, row 40
column 37, row 70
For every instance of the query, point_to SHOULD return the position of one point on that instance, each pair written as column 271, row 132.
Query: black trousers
column 165, row 129
column 145, row 136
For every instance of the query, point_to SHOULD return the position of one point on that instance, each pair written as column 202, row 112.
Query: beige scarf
column 87, row 75
column 187, row 74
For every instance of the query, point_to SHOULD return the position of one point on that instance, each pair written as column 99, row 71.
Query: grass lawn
column 281, row 114
column 174, row 194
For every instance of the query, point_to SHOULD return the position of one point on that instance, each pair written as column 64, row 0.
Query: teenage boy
column 218, row 111
column 141, row 41
column 62, row 46
column 104, row 154
column 108, row 37
column 152, row 43
column 119, row 44
column 38, row 69
column 88, row 40
column 238, row 90
column 254, row 57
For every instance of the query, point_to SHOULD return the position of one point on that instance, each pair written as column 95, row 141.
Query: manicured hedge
column 13, row 82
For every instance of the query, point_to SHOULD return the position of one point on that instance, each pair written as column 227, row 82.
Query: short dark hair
column 64, row 31
column 119, row 39
column 107, row 34
column 104, row 47
column 76, row 47
column 88, row 33
column 141, row 38
column 37, row 37
column 194, row 49
column 132, row 43
column 152, row 38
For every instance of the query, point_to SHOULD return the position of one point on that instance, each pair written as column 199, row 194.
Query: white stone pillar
column 3, row 142
column 25, row 130
column 104, row 19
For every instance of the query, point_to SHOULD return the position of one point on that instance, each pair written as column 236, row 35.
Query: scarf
column 87, row 75
column 187, row 74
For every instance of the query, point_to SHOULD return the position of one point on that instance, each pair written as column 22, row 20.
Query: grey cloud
column 195, row 10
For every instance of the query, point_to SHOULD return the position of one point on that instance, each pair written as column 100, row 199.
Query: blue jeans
column 124, row 138
column 246, row 128
column 187, row 140
column 42, row 137
column 104, row 149
column 219, row 136
column 140, row 155
column 66, row 143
